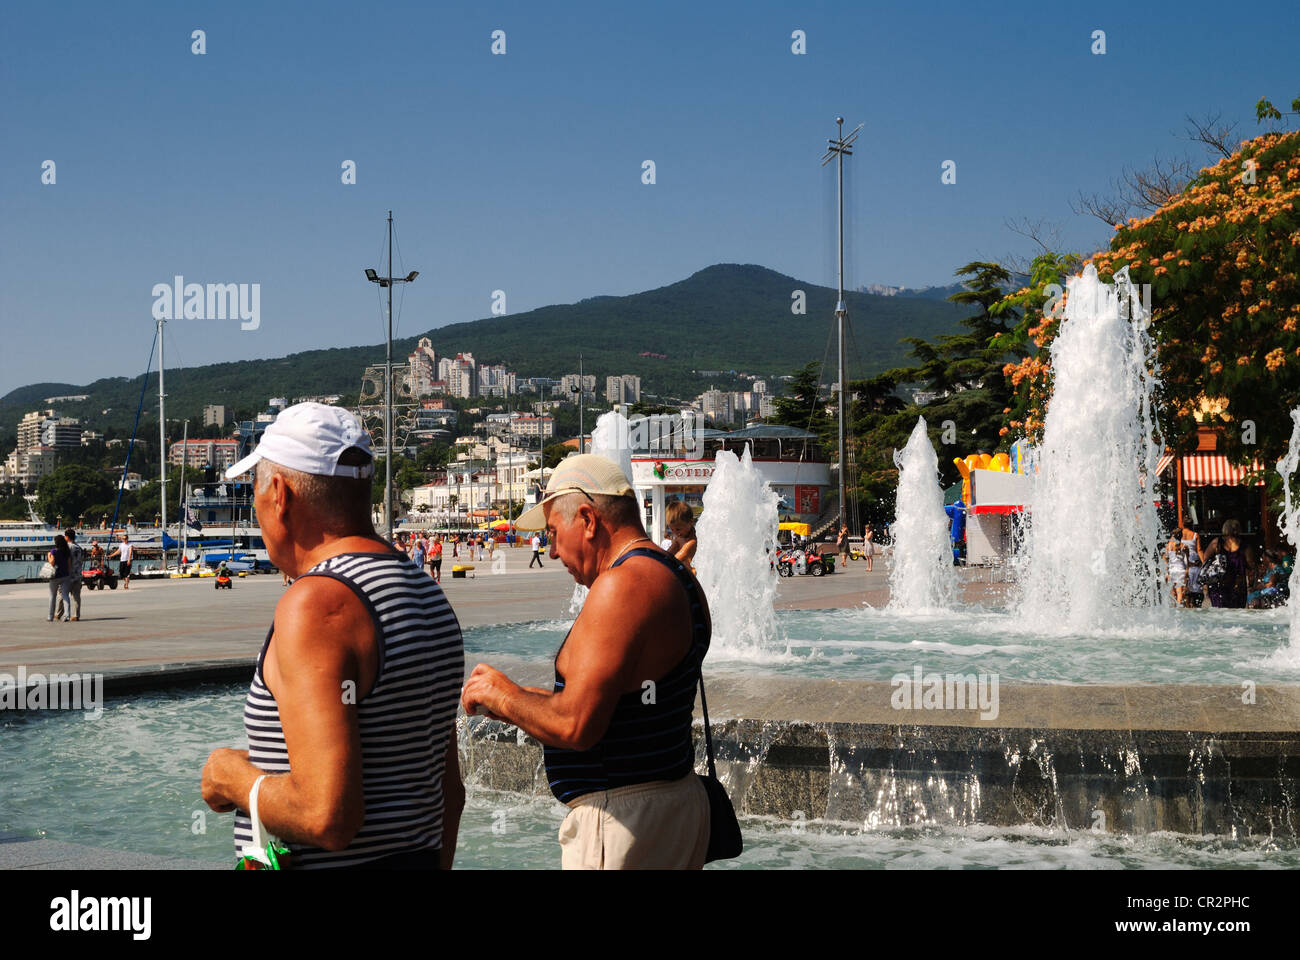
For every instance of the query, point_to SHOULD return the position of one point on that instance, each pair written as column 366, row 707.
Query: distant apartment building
column 29, row 467
column 623, row 389
column 568, row 386
column 90, row 436
column 215, row 415
column 533, row 427
column 199, row 454
column 132, row 481
column 29, row 429
column 61, row 432
column 277, row 403
column 539, row 385
column 494, row 380
column 716, row 406
column 760, row 386
column 460, row 374
column 423, row 365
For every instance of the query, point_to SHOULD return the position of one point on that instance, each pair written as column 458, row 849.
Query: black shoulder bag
column 725, row 841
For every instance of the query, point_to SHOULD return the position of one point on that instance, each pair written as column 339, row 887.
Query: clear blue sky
column 522, row 172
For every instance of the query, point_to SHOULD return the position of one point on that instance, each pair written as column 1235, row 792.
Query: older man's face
column 568, row 541
column 274, row 533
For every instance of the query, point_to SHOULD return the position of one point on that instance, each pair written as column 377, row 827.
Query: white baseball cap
column 310, row 437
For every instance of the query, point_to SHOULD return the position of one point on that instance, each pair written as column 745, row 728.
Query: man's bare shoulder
column 316, row 603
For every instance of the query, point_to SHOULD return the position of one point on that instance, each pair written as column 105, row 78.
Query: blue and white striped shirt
column 405, row 721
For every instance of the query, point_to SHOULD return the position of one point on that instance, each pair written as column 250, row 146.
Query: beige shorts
column 661, row 825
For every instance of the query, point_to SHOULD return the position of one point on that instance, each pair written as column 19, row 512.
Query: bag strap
column 708, row 736
column 259, row 832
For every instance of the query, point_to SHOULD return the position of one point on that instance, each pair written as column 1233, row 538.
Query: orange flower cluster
column 1223, row 261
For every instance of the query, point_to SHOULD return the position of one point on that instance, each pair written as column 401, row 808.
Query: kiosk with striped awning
column 1214, row 470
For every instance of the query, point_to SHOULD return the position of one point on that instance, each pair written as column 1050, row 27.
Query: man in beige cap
column 617, row 726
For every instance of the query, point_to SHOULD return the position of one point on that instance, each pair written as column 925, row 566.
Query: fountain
column 1091, row 547
column 610, row 439
column 736, row 530
column 1291, row 530
column 921, row 577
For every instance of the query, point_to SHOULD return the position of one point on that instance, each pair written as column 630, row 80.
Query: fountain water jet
column 737, row 527
column 1291, row 530
column 921, row 577
column 1092, row 542
column 610, row 439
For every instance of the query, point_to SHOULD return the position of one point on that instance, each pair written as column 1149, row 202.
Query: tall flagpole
column 839, row 148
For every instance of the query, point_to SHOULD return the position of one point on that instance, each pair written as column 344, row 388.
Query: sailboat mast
column 840, row 313
column 162, row 444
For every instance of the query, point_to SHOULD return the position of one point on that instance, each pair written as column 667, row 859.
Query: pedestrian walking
column 125, row 554
column 537, row 552
column 435, row 559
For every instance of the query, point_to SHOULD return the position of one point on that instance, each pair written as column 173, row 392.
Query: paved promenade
column 166, row 622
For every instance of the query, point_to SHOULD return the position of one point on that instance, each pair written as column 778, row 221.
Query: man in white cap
column 360, row 670
column 616, row 727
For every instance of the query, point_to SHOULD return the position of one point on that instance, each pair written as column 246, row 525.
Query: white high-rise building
column 623, row 389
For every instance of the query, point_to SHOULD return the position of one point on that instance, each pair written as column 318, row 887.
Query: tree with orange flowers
column 1223, row 261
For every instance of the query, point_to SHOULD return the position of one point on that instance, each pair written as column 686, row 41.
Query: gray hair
column 344, row 498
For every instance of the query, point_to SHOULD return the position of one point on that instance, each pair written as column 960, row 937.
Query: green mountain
column 727, row 317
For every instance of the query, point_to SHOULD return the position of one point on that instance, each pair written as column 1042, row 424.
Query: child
column 681, row 521
column 1177, row 554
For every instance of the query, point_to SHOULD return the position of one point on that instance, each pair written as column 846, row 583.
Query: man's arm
column 309, row 661
column 453, row 802
column 601, row 656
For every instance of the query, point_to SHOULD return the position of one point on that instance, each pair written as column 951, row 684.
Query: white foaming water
column 921, row 577
column 1091, row 549
column 1290, row 654
column 735, row 530
column 610, row 439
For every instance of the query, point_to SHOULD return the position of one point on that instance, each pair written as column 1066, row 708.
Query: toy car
column 97, row 578
column 795, row 560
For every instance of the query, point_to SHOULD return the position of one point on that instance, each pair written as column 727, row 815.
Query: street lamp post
column 388, row 282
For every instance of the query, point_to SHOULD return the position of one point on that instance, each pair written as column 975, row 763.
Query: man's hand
column 216, row 791
column 489, row 688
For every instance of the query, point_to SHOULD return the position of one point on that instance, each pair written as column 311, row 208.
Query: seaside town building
column 201, row 454
column 623, row 389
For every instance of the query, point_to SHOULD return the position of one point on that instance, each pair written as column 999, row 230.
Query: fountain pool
column 129, row 781
column 1182, row 647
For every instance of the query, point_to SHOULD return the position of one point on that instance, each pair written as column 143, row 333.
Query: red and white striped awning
column 1163, row 465
column 1212, row 470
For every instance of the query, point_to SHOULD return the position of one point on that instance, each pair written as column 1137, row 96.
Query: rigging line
column 144, row 383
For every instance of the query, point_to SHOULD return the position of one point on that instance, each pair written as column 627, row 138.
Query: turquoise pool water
column 1184, row 646
column 130, row 781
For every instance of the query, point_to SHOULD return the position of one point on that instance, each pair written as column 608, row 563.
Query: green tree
column 69, row 491
column 13, row 505
column 803, row 406
column 554, row 453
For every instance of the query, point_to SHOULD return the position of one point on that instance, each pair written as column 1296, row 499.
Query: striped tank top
column 645, row 741
column 405, row 721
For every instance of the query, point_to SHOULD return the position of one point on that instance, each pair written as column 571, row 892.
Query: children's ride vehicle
column 97, row 578
column 792, row 561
